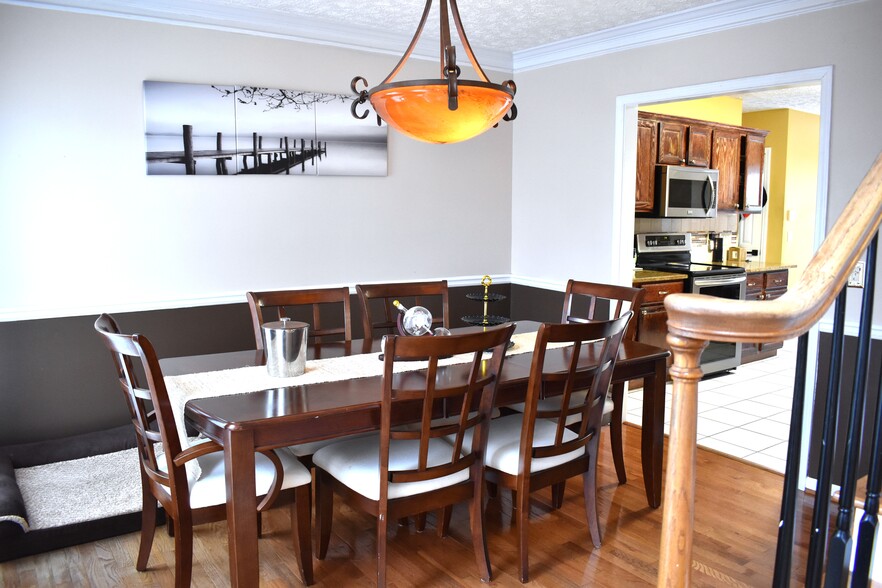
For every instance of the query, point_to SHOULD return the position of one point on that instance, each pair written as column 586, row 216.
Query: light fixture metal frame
column 449, row 70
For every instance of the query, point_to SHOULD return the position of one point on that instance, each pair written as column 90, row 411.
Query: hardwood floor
column 737, row 509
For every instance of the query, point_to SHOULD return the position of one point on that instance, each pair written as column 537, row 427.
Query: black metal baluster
column 784, row 553
column 818, row 540
column 839, row 554
column 869, row 522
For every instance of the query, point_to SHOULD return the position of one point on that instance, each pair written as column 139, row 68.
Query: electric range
column 672, row 252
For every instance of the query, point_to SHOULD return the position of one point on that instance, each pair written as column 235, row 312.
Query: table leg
column 241, row 508
column 653, row 432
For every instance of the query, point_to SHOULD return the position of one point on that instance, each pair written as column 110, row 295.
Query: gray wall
column 83, row 229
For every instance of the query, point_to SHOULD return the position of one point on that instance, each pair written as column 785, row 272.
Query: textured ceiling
column 513, row 25
column 804, row 98
column 498, row 30
column 507, row 25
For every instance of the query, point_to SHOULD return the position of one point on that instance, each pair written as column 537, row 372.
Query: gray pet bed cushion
column 23, row 493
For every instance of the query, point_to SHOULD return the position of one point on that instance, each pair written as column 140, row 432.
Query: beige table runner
column 184, row 388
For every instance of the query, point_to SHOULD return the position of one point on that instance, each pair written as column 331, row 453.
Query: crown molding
column 710, row 18
column 198, row 14
column 702, row 20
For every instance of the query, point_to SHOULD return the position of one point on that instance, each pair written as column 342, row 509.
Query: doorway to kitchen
column 626, row 157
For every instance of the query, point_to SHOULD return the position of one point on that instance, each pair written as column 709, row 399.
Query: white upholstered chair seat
column 576, row 398
column 504, row 443
column 356, row 463
column 211, row 487
column 307, row 449
column 442, row 421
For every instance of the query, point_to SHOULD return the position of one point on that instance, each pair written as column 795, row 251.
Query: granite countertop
column 642, row 276
column 760, row 266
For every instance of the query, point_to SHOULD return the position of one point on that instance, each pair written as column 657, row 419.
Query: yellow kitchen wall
column 776, row 122
column 794, row 138
column 718, row 109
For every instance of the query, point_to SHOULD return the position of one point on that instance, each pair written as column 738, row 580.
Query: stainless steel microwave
column 686, row 192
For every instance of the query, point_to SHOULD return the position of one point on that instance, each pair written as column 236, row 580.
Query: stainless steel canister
column 285, row 343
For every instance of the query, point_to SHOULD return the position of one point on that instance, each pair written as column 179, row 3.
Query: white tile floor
column 745, row 414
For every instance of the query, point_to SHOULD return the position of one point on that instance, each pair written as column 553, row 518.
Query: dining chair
column 584, row 301
column 164, row 476
column 274, row 305
column 401, row 472
column 374, row 297
column 589, row 301
column 535, row 449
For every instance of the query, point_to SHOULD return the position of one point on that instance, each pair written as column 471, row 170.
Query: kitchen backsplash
column 723, row 223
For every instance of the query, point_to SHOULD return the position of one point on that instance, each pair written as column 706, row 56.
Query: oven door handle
column 718, row 280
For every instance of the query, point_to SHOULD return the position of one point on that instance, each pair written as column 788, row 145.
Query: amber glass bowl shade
column 419, row 108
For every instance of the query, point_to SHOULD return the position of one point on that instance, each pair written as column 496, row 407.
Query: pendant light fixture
column 442, row 110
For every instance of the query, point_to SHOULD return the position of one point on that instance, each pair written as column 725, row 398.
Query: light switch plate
column 856, row 279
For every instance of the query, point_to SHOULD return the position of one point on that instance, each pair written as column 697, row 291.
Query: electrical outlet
column 856, row 279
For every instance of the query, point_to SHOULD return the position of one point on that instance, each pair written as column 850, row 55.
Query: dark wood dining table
column 243, row 423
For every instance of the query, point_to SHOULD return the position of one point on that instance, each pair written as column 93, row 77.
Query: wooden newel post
column 675, row 556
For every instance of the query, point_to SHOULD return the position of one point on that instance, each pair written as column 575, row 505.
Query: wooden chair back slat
column 618, row 299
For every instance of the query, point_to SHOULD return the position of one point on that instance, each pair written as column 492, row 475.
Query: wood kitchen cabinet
column 737, row 152
column 698, row 149
column 647, row 146
column 652, row 320
column 671, row 143
column 726, row 157
column 764, row 285
column 752, row 172
column 682, row 144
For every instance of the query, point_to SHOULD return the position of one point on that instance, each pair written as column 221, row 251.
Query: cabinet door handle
column 779, row 281
column 662, row 292
column 762, row 296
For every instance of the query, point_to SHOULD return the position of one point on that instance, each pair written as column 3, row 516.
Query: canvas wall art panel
column 198, row 129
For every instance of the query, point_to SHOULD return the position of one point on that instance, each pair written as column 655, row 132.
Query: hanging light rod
column 442, row 110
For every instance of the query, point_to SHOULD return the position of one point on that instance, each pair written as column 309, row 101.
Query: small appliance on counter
column 718, row 244
column 736, row 254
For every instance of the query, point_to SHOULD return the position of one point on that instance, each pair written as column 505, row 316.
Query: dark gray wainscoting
column 537, row 304
column 872, row 398
column 57, row 380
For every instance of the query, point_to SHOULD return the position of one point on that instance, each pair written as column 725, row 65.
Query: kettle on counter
column 715, row 246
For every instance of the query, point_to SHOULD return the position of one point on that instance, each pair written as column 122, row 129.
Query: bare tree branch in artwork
column 274, row 98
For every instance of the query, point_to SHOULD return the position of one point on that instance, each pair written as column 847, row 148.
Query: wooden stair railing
column 693, row 320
